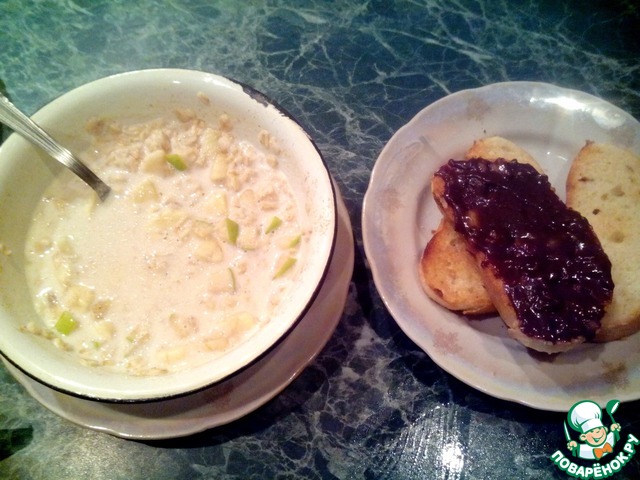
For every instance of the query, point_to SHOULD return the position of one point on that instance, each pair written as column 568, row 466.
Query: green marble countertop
column 372, row 404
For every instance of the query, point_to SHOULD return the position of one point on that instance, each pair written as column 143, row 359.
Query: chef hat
column 585, row 416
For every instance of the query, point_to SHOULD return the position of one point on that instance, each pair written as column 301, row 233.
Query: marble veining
column 372, row 405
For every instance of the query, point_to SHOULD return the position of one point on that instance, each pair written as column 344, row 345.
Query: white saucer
column 400, row 215
column 235, row 397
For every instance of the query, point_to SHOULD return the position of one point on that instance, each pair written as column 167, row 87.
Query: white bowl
column 139, row 96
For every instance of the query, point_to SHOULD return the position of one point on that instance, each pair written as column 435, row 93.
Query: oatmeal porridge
column 195, row 249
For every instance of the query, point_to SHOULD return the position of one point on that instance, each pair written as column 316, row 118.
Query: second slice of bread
column 604, row 186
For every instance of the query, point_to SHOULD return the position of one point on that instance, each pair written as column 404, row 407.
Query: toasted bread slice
column 604, row 186
column 547, row 316
column 450, row 276
column 448, row 272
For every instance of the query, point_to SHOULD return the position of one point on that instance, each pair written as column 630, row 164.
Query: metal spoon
column 23, row 125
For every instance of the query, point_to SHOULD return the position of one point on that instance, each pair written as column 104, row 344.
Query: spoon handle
column 24, row 126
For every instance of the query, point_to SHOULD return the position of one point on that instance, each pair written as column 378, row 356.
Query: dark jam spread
column 554, row 270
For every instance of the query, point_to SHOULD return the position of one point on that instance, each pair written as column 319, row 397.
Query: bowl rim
column 161, row 75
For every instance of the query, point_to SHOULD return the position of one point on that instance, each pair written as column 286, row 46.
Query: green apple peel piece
column 176, row 161
column 233, row 230
column 66, row 323
column 295, row 241
column 233, row 279
column 273, row 225
column 286, row 266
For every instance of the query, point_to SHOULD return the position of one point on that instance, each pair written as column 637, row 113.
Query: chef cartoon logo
column 590, row 439
column 596, row 439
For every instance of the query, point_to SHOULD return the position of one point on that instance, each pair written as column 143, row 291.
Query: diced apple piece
column 288, row 241
column 183, row 325
column 216, row 203
column 295, row 241
column 203, row 229
column 247, row 199
column 209, row 251
column 79, row 297
column 66, row 324
column 243, row 322
column 219, row 168
column 221, row 280
column 233, row 231
column 104, row 331
column 273, row 224
column 216, row 343
column 145, row 191
column 209, row 143
column 233, row 181
column 155, row 163
column 248, row 238
column 176, row 161
column 172, row 354
column 284, row 265
column 246, row 209
column 170, row 218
